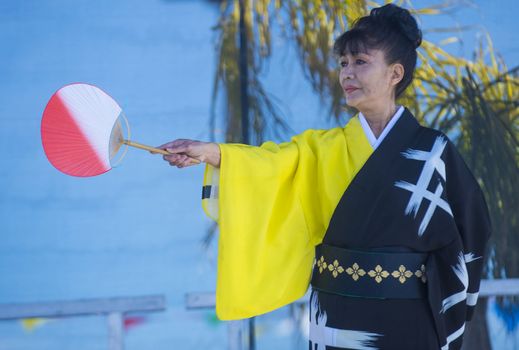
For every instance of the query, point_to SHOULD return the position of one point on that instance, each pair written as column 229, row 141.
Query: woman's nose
column 346, row 73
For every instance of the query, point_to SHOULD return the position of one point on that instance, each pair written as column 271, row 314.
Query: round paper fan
column 84, row 131
column 76, row 129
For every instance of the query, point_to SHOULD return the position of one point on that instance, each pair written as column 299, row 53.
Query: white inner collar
column 374, row 142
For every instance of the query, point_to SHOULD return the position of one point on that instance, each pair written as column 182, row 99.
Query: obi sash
column 369, row 274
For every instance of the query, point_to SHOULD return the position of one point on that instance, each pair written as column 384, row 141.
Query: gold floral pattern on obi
column 421, row 274
column 335, row 269
column 355, row 271
column 378, row 273
column 321, row 264
column 402, row 273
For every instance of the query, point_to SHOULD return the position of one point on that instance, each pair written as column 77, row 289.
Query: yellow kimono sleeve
column 273, row 204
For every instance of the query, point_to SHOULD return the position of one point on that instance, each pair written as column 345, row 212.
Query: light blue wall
column 137, row 229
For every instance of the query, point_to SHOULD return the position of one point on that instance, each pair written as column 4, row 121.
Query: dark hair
column 389, row 28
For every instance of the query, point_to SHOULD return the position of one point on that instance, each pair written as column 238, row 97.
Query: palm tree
column 473, row 101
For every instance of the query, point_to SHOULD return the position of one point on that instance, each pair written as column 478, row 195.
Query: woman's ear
column 397, row 73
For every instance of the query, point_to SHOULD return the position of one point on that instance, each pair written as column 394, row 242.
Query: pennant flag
column 30, row 324
column 133, row 321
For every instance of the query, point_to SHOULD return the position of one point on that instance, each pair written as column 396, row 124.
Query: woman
column 384, row 211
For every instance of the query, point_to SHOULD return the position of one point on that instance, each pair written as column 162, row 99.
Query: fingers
column 169, row 144
column 176, row 146
column 180, row 160
column 183, row 152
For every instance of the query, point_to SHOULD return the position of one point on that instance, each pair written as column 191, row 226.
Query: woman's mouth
column 350, row 89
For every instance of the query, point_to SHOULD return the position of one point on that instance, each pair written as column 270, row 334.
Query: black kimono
column 396, row 260
column 413, row 201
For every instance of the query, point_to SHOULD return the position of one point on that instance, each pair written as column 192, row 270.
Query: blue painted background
column 137, row 229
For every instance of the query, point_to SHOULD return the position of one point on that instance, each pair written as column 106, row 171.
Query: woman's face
column 367, row 81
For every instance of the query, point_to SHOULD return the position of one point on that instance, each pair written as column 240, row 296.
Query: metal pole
column 244, row 98
column 244, row 76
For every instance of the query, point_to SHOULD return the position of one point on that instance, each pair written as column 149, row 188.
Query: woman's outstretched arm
column 185, row 153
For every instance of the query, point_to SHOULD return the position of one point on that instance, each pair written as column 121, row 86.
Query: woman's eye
column 358, row 61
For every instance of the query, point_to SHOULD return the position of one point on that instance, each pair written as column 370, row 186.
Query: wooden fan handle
column 152, row 149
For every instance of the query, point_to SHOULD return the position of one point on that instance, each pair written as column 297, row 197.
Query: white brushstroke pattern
column 433, row 162
column 453, row 336
column 434, row 198
column 469, row 257
column 323, row 336
column 460, row 269
column 472, row 298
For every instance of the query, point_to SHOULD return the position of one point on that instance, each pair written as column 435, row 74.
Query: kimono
column 278, row 206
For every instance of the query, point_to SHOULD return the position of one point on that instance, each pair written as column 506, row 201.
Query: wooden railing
column 113, row 308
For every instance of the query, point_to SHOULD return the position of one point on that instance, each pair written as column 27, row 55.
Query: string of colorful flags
column 31, row 324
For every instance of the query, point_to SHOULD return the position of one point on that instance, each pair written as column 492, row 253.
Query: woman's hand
column 190, row 152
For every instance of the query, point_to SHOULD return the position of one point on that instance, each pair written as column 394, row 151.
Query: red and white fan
column 84, row 131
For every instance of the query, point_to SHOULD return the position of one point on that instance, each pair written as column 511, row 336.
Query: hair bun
column 401, row 19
